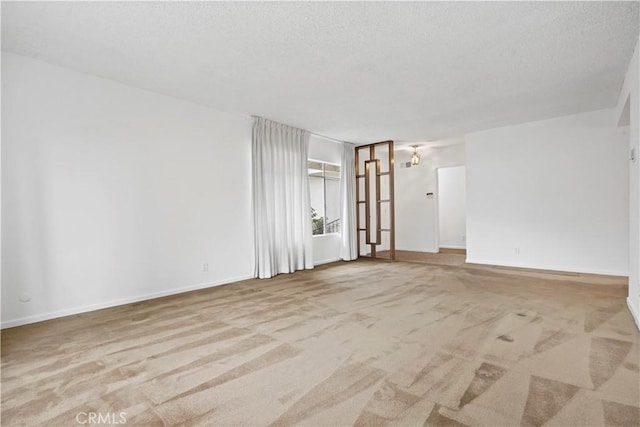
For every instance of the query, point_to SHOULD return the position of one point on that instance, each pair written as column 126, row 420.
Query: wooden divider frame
column 367, row 190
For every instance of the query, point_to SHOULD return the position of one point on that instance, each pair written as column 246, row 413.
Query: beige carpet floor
column 367, row 343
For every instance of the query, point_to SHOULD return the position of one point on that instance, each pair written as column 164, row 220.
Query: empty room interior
column 320, row 213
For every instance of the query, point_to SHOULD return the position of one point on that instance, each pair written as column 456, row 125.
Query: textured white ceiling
column 352, row 71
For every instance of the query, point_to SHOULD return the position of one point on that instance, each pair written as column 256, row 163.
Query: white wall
column 451, row 196
column 326, row 248
column 631, row 91
column 112, row 194
column 556, row 189
column 416, row 215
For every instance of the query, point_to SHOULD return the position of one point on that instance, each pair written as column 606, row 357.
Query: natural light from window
column 324, row 184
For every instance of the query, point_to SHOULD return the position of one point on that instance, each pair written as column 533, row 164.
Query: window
column 324, row 184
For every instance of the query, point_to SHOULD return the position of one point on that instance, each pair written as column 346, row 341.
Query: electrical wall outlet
column 205, row 267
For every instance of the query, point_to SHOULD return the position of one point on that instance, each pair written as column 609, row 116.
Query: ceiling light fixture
column 415, row 157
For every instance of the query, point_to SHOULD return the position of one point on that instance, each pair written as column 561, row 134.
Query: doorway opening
column 452, row 218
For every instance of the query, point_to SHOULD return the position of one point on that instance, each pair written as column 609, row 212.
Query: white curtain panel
column 281, row 200
column 349, row 244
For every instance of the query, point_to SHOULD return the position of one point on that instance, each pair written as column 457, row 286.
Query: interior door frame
column 437, row 207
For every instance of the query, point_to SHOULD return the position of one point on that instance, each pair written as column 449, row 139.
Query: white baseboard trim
column 113, row 303
column 326, row 261
column 548, row 267
column 636, row 316
column 453, row 247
